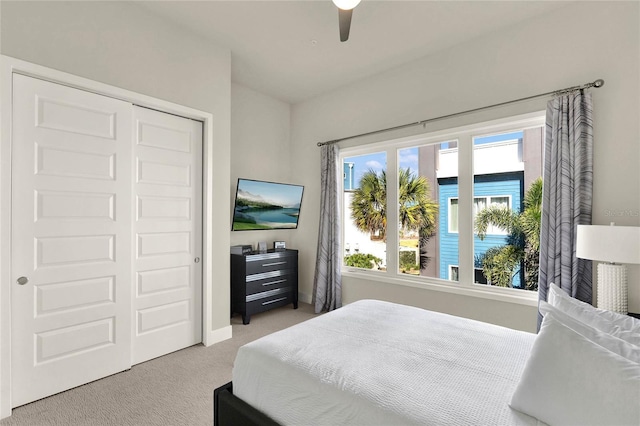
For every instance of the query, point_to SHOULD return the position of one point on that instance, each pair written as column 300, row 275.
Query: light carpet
column 175, row 389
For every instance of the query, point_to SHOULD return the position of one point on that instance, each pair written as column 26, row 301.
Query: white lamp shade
column 346, row 4
column 615, row 244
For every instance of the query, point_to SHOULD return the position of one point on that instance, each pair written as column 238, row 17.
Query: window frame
column 354, row 248
column 451, row 267
column 464, row 135
column 449, row 210
column 491, row 230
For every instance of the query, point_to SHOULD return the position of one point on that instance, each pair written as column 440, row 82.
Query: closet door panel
column 71, row 244
column 168, row 234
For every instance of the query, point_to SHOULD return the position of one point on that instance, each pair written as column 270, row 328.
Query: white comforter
column 378, row 363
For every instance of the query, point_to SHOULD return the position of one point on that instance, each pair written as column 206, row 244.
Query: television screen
column 266, row 205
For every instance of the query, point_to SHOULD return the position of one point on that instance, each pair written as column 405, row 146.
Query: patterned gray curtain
column 567, row 195
column 327, row 281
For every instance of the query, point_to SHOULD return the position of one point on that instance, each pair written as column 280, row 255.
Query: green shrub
column 407, row 259
column 362, row 260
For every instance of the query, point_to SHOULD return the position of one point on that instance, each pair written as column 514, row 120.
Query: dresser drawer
column 269, row 300
column 265, row 281
column 259, row 263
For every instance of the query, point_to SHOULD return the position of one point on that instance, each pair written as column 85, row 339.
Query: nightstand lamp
column 612, row 246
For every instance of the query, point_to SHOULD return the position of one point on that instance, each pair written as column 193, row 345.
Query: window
column 453, row 273
column 453, row 215
column 427, row 175
column 365, row 211
column 457, row 197
column 479, row 204
column 506, row 164
column 479, row 277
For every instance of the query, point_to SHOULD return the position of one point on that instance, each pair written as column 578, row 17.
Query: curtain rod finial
column 598, row 83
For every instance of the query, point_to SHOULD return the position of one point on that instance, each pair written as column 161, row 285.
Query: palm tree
column 416, row 210
column 523, row 244
column 369, row 204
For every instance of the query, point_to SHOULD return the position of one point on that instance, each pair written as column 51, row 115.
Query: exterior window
column 481, row 203
column 478, row 275
column 453, row 215
column 453, row 273
column 459, row 205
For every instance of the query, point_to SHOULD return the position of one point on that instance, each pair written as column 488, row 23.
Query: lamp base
column 612, row 287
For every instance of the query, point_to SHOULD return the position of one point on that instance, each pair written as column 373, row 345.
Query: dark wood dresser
column 263, row 281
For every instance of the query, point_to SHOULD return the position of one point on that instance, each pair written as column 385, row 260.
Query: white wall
column 576, row 44
column 122, row 45
column 260, row 149
column 119, row 44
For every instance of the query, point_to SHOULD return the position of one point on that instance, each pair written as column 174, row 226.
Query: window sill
column 520, row 297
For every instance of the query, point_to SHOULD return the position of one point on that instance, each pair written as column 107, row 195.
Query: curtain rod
column 597, row 83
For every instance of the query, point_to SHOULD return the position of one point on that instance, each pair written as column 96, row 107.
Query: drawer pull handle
column 274, row 282
column 273, row 264
column 273, row 301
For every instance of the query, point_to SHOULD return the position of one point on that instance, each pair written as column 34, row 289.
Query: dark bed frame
column 229, row 410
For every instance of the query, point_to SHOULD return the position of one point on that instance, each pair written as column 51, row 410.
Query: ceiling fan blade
column 344, row 18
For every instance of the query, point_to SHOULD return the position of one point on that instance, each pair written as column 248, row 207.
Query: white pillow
column 623, row 321
column 612, row 343
column 569, row 380
column 596, row 318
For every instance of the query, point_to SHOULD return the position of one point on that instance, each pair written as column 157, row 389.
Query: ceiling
column 291, row 49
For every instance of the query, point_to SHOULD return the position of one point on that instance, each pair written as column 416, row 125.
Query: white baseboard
column 305, row 298
column 217, row 336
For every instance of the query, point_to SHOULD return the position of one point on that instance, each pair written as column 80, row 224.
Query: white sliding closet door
column 168, row 234
column 71, row 238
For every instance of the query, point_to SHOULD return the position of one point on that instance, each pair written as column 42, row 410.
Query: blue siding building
column 502, row 189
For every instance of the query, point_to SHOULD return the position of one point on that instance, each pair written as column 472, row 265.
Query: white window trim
column 451, row 271
column 464, row 135
column 449, row 221
column 487, row 197
column 456, row 266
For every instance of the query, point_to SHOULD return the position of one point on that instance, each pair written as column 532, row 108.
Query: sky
column 408, row 157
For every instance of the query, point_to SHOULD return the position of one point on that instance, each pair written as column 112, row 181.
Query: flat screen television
column 266, row 205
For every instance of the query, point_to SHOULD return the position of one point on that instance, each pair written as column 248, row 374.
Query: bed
column 378, row 363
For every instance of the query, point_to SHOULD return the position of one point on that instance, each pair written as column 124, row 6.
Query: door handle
column 22, row 280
